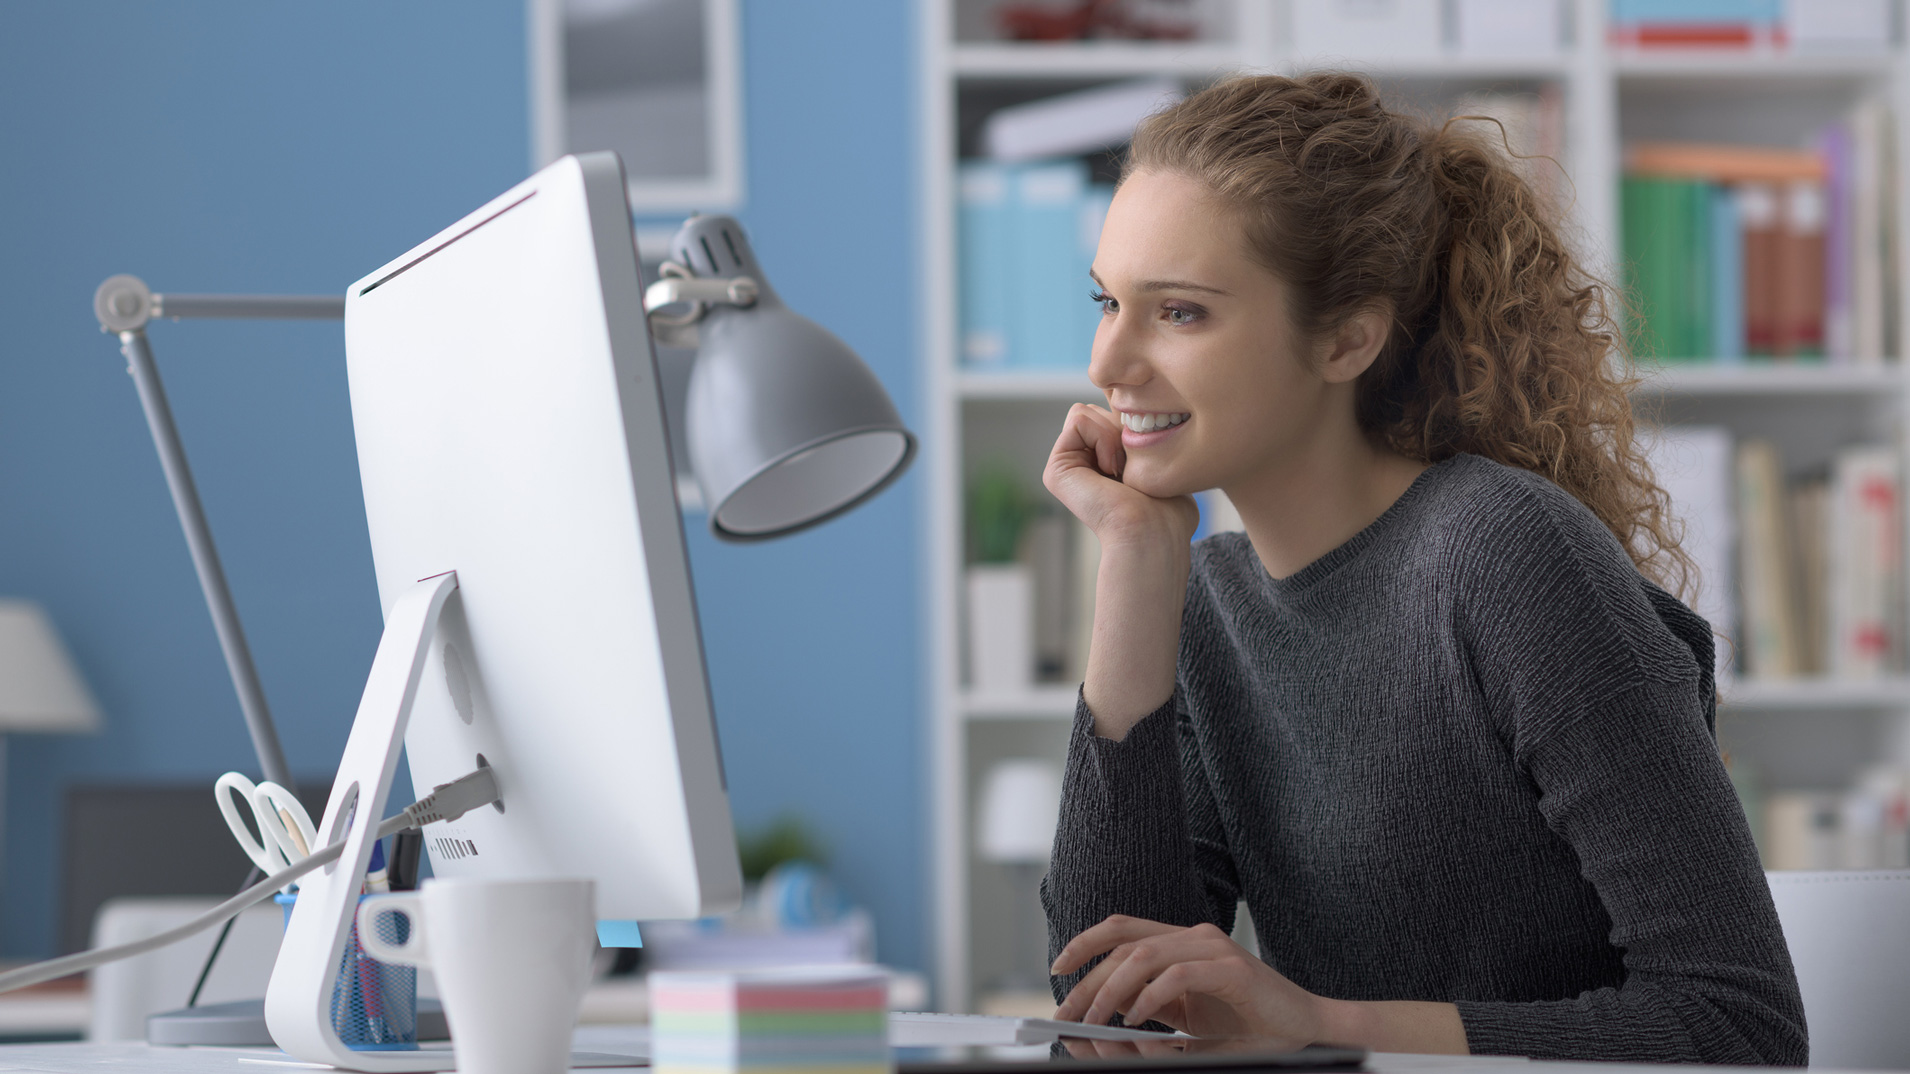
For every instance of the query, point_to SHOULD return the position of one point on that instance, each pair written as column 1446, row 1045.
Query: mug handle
column 412, row 952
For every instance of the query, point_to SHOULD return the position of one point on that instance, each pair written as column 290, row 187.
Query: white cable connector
column 448, row 801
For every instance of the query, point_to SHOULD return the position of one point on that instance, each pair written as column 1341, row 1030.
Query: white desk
column 112, row 1058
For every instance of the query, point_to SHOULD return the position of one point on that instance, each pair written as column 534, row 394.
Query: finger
column 1223, row 978
column 1145, row 961
column 1110, row 933
column 1110, row 455
column 1095, row 433
column 1082, row 994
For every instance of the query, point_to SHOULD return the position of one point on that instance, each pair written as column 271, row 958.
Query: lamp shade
column 1019, row 803
column 787, row 427
column 40, row 688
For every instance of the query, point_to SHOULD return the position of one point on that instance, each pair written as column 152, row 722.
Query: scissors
column 286, row 833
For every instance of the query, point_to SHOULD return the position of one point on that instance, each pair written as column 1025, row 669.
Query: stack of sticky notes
column 819, row 1020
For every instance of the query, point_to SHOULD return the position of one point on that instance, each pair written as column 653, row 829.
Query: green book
column 1646, row 239
column 1666, row 231
column 1694, row 205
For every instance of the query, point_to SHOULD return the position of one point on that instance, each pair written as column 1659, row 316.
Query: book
column 1049, row 284
column 1757, row 205
column 1026, row 236
column 1769, row 646
column 1665, row 230
column 1801, row 830
column 984, row 233
column 1834, row 144
column 1693, row 464
column 1726, row 255
column 1798, row 321
column 1723, row 163
column 1808, row 263
column 1697, row 24
column 1091, row 216
column 1865, row 563
column 1872, row 240
column 1810, row 522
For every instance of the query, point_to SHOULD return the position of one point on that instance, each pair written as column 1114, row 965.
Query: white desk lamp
column 787, row 427
column 1020, row 801
column 40, row 687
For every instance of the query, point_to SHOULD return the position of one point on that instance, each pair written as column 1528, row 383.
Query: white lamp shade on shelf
column 1019, row 803
column 40, row 688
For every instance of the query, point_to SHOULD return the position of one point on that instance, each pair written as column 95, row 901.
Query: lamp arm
column 205, row 559
column 677, row 290
column 124, row 306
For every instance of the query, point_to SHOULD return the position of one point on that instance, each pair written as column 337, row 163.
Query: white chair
column 125, row 992
column 1849, row 935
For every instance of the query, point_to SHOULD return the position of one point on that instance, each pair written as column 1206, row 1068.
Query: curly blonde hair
column 1501, row 344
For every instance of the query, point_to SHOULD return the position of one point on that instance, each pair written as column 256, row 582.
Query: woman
column 1432, row 716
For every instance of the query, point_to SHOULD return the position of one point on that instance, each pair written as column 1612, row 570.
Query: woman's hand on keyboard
column 1195, row 979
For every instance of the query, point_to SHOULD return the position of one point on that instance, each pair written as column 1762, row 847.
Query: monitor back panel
column 510, row 428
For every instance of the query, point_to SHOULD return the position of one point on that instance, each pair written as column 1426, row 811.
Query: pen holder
column 374, row 1004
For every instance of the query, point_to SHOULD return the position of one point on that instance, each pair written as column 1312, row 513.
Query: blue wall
column 234, row 146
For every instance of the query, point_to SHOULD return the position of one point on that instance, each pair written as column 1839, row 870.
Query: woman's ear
column 1355, row 345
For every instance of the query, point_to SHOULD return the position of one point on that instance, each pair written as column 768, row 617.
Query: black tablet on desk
column 1195, row 1060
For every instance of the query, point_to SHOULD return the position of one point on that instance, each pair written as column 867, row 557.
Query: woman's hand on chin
column 1195, row 979
column 1084, row 472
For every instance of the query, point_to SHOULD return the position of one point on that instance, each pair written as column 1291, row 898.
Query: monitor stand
column 298, row 1002
column 240, row 1023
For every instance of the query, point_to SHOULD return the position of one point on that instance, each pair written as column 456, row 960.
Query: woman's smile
column 1145, row 428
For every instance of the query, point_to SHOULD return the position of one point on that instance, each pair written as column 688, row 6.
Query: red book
column 1758, row 212
column 1800, row 272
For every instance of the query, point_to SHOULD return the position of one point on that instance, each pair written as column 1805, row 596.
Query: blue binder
column 985, row 278
column 1051, row 279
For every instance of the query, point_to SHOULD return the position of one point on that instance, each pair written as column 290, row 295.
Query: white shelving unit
column 1825, row 726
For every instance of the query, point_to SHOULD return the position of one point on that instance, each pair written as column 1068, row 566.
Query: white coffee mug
column 511, row 958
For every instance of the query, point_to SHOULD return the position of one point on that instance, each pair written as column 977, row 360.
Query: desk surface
column 100, row 1058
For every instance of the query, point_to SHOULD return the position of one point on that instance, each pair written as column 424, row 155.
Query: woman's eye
column 1180, row 315
column 1105, row 301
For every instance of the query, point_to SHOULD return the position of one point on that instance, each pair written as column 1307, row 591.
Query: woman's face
column 1196, row 350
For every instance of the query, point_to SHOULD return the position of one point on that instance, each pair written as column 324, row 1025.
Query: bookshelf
column 1801, row 732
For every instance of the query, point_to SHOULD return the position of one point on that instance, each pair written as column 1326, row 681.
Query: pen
column 377, row 876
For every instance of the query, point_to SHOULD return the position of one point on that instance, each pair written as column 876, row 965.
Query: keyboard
column 908, row 1029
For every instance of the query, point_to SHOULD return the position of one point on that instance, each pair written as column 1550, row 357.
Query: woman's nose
column 1116, row 358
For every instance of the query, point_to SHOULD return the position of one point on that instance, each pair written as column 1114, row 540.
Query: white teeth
column 1144, row 423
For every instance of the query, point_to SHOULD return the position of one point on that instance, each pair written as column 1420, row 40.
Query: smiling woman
column 1434, row 716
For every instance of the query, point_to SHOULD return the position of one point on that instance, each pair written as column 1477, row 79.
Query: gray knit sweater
column 1467, row 756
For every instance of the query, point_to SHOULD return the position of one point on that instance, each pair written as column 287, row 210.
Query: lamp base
column 241, row 1024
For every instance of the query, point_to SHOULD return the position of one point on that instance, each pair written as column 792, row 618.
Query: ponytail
column 1501, row 345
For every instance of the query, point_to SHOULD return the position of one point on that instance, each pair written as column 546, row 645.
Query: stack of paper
column 783, row 1021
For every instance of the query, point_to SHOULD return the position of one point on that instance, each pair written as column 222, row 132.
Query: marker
column 376, row 879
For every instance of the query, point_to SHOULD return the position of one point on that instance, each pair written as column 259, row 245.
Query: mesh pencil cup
column 374, row 1004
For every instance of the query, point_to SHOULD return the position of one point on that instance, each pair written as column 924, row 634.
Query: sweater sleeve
column 1604, row 700
column 1660, row 836
column 1138, row 834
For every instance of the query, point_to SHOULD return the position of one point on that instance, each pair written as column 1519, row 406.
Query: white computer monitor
column 511, row 438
